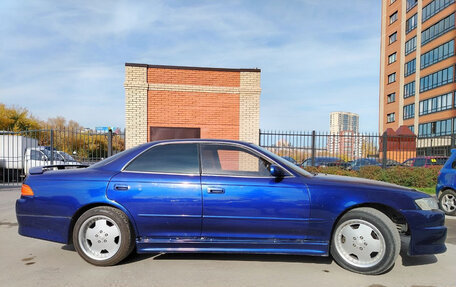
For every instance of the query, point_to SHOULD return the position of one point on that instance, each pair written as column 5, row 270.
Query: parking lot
column 31, row 262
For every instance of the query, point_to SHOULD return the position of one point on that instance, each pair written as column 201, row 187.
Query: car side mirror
column 276, row 171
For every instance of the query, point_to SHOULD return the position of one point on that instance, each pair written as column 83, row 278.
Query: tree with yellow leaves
column 17, row 119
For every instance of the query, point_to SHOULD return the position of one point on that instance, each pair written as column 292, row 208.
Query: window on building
column 393, row 17
column 170, row 158
column 391, row 78
column 432, row 129
column 392, row 58
column 410, row 24
column 412, row 128
column 391, row 98
column 393, row 38
column 437, row 29
column 411, row 4
column 409, row 90
column 435, row 7
column 410, row 67
column 436, row 79
column 409, row 111
column 410, row 46
column 390, row 117
column 438, row 54
column 436, row 104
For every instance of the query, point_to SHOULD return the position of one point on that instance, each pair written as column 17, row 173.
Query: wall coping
column 256, row 70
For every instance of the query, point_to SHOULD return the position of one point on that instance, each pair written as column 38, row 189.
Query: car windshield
column 48, row 154
column 112, row 158
column 284, row 162
column 66, row 156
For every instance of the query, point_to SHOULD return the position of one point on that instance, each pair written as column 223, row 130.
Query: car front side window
column 232, row 161
column 167, row 158
column 35, row 155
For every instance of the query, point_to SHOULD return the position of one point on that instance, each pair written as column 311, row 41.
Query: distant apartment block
column 344, row 139
column 343, row 121
column 417, row 86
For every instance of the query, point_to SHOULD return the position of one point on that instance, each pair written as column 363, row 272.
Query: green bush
column 405, row 176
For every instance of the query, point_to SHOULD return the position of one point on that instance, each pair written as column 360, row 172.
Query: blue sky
column 66, row 58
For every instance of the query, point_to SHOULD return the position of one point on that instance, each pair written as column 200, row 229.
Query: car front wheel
column 365, row 241
column 103, row 236
column 447, row 202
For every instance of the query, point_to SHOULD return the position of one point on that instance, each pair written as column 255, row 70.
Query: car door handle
column 215, row 190
column 121, row 187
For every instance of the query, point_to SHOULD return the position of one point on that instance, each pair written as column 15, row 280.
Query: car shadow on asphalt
column 408, row 260
column 134, row 257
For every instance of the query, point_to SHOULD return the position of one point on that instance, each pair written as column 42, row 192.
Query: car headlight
column 427, row 203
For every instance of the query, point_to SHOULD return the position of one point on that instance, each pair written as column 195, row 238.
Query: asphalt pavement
column 32, row 262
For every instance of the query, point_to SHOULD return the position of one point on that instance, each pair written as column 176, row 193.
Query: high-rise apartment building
column 344, row 138
column 343, row 121
column 417, row 67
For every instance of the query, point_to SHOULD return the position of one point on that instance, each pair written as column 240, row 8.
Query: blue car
column 446, row 185
column 224, row 196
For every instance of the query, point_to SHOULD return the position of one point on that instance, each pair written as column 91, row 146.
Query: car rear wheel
column 365, row 241
column 103, row 236
column 447, row 202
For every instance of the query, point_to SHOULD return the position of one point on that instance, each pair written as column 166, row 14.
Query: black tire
column 122, row 239
column 383, row 230
column 447, row 202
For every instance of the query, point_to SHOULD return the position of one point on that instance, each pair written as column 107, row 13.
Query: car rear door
column 161, row 189
column 242, row 200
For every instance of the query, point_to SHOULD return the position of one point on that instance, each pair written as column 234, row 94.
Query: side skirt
column 211, row 245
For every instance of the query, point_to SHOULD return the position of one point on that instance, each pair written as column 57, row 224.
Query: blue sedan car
column 446, row 185
column 224, row 196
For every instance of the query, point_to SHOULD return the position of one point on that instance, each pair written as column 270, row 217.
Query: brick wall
column 223, row 103
column 135, row 105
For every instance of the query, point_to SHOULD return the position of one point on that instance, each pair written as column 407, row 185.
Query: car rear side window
column 419, row 162
column 168, row 158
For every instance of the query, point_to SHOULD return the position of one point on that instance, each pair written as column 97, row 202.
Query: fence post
column 313, row 148
column 384, row 149
column 259, row 137
column 109, row 143
column 52, row 146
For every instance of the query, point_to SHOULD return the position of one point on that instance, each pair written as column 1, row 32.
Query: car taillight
column 26, row 190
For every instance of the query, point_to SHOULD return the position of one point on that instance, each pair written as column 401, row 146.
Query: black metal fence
column 346, row 148
column 20, row 151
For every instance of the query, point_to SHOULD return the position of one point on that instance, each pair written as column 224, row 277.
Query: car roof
column 198, row 141
column 428, row 157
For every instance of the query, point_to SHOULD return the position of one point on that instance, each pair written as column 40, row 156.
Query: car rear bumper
column 427, row 231
column 53, row 228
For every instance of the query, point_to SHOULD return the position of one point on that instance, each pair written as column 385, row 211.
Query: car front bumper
column 427, row 231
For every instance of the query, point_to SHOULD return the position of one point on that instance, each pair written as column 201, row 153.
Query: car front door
column 242, row 200
column 161, row 189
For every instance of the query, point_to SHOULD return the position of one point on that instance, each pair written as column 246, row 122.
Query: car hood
column 370, row 184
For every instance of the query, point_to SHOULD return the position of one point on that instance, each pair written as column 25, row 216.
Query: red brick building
column 165, row 102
